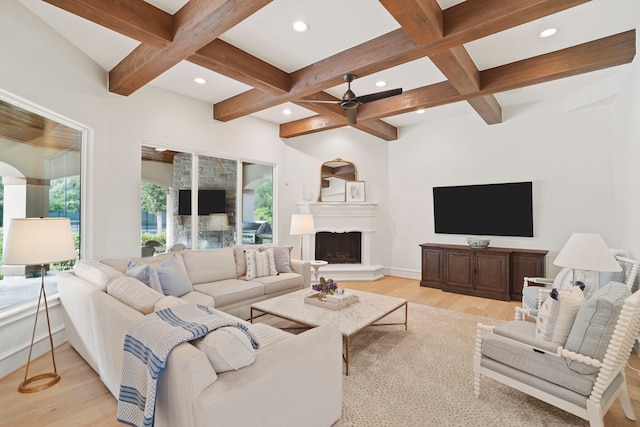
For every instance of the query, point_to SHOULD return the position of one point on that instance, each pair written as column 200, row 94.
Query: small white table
column 316, row 264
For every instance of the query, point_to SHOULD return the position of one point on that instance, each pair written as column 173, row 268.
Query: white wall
column 567, row 154
column 627, row 160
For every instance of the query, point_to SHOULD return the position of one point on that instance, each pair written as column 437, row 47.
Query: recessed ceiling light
column 420, row 111
column 160, row 150
column 286, row 112
column 199, row 80
column 381, row 83
column 547, row 33
column 300, row 26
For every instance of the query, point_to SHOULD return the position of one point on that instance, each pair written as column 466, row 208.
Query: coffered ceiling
column 474, row 58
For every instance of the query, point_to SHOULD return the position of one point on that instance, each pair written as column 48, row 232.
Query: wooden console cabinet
column 495, row 273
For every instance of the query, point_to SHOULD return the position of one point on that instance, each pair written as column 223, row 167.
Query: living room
column 580, row 150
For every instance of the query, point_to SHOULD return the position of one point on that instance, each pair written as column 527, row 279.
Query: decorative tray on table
column 347, row 300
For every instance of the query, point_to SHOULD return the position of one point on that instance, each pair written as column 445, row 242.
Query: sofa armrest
column 281, row 387
column 187, row 373
column 303, row 268
column 111, row 320
column 74, row 297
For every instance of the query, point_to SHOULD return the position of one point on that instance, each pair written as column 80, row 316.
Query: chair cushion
column 594, row 324
column 511, row 344
column 556, row 316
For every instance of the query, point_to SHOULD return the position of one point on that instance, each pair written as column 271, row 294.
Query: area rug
column 424, row 377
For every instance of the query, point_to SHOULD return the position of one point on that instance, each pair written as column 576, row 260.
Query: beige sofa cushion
column 281, row 282
column 195, row 297
column 134, row 293
column 210, row 265
column 231, row 291
column 96, row 273
column 121, row 264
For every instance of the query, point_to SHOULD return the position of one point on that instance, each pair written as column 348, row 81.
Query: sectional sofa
column 277, row 385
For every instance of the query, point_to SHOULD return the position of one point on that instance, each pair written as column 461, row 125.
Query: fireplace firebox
column 339, row 248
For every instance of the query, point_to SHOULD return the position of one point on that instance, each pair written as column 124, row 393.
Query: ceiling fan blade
column 363, row 99
column 351, row 115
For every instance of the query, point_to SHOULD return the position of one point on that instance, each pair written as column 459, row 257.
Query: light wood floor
column 80, row 398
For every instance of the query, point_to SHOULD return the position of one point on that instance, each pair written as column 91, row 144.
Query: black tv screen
column 209, row 202
column 489, row 209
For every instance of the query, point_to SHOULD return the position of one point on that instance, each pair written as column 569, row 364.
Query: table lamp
column 39, row 241
column 302, row 224
column 588, row 252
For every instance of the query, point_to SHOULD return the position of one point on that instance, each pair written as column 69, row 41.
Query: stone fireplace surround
column 342, row 217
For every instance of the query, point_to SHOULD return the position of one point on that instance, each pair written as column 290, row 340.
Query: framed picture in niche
column 355, row 191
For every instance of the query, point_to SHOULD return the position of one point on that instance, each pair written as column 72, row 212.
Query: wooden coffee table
column 349, row 321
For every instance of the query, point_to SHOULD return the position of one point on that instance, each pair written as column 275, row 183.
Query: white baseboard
column 403, row 272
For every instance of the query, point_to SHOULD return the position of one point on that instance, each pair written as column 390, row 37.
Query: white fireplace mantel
column 342, row 217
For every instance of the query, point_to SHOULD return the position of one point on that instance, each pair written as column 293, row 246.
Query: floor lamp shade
column 36, row 241
column 39, row 241
column 218, row 222
column 302, row 224
column 587, row 251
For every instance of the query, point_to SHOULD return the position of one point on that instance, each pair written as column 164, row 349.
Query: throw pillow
column 557, row 314
column 594, row 325
column 260, row 264
column 282, row 258
column 227, row 349
column 173, row 277
column 146, row 274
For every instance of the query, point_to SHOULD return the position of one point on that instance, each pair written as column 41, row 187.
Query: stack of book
column 339, row 298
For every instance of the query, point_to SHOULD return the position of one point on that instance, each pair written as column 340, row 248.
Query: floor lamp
column 302, row 224
column 39, row 241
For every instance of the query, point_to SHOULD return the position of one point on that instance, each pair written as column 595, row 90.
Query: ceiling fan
column 350, row 101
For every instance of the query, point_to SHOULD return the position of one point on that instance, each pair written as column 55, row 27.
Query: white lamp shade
column 587, row 251
column 36, row 241
column 302, row 224
column 218, row 222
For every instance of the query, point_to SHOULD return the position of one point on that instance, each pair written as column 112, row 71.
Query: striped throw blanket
column 146, row 348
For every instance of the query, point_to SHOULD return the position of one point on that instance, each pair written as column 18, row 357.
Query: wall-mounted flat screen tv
column 489, row 209
column 209, row 202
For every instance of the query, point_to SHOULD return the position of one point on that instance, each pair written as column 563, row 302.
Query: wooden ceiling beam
column 136, row 19
column 196, row 24
column 396, row 48
column 228, row 60
column 596, row 55
column 334, row 111
column 422, row 20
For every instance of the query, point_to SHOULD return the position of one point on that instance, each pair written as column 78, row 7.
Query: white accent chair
column 534, row 295
column 583, row 385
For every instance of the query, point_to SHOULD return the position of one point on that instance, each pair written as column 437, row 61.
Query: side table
column 316, row 264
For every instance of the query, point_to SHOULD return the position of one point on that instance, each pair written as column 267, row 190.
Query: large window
column 40, row 167
column 226, row 202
